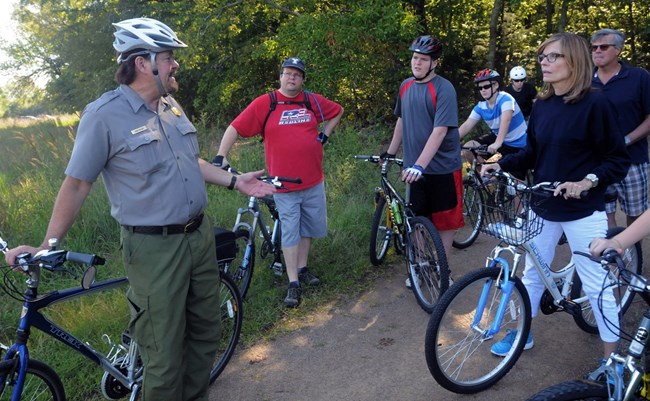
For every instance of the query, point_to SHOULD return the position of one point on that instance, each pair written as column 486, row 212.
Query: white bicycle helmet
column 147, row 34
column 518, row 72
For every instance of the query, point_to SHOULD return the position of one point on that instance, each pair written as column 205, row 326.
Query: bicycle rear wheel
column 472, row 212
column 41, row 382
column 240, row 269
column 427, row 262
column 574, row 390
column 381, row 232
column 231, row 321
column 633, row 259
column 457, row 346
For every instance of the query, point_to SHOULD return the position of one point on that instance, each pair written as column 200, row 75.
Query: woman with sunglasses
column 573, row 138
column 501, row 113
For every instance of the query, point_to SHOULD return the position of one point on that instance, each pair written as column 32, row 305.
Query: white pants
column 579, row 233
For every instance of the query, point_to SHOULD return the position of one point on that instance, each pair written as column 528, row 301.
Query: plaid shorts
column 632, row 191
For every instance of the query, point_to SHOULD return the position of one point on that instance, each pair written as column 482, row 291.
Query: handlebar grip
column 85, row 258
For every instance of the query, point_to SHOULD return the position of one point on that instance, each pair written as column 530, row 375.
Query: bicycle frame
column 257, row 220
column 558, row 282
column 31, row 317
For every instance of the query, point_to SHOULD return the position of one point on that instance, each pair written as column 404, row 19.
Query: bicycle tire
column 633, row 259
column 380, row 235
column 240, row 274
column 573, row 390
column 427, row 262
column 472, row 213
column 457, row 353
column 232, row 315
column 41, row 382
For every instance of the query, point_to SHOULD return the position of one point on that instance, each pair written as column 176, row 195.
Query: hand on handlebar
column 599, row 245
column 11, row 254
column 575, row 190
column 220, row 161
column 486, row 168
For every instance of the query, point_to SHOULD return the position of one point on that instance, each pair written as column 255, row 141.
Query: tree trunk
column 494, row 32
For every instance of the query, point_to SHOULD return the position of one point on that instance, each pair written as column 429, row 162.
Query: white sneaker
column 408, row 282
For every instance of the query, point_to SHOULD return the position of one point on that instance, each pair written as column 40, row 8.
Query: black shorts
column 433, row 193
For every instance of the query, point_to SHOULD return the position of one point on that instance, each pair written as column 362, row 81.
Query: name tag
column 138, row 130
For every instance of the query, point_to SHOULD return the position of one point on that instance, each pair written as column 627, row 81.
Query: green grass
column 33, row 169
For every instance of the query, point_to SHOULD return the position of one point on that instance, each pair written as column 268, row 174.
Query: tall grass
column 32, row 170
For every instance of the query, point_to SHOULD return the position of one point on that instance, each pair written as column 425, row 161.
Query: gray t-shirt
column 415, row 105
column 148, row 159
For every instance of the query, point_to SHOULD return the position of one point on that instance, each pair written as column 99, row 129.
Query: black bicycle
column 395, row 222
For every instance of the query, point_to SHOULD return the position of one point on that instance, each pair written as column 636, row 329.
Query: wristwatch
column 593, row 178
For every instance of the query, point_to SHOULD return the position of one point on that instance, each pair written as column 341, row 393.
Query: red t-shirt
column 290, row 136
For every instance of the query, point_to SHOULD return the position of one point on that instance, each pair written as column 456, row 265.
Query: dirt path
column 372, row 348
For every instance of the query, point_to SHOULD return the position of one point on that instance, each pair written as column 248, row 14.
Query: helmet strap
column 154, row 69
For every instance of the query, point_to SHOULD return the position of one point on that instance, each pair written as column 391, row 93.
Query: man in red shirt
column 288, row 120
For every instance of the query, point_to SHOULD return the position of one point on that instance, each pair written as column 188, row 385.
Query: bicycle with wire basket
column 624, row 377
column 493, row 300
column 247, row 222
column 24, row 378
column 415, row 236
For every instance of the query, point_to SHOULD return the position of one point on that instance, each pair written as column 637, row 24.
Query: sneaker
column 408, row 282
column 502, row 347
column 308, row 278
column 293, row 297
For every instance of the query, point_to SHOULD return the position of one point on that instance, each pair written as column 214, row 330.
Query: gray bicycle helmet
column 146, row 34
column 427, row 45
column 486, row 75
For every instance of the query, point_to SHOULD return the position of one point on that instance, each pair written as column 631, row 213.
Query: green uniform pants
column 173, row 296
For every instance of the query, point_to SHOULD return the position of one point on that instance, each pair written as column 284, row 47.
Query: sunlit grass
column 32, row 169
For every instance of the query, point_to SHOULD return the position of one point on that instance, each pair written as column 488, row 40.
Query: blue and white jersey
column 516, row 136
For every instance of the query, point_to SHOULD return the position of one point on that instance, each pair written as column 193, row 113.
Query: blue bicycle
column 24, row 378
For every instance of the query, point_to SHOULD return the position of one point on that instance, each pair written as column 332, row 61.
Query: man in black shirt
column 523, row 92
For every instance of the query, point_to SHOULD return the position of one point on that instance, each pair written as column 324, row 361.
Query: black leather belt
column 192, row 225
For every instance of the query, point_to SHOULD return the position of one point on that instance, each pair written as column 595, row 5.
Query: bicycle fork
column 505, row 303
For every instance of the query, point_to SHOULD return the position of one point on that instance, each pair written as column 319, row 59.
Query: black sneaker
column 293, row 297
column 308, row 278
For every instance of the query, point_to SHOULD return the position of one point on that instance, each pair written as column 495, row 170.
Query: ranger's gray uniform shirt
column 148, row 160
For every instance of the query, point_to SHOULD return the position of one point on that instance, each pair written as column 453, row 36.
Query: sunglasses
column 601, row 47
column 484, row 87
column 517, row 80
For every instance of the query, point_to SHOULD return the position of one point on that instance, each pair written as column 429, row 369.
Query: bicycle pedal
column 278, row 268
column 571, row 307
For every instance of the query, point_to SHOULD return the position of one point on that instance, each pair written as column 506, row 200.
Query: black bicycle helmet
column 428, row 45
column 486, row 75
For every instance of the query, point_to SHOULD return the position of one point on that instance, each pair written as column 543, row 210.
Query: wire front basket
column 507, row 213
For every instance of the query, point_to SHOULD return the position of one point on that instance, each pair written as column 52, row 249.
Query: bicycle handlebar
column 53, row 259
column 378, row 159
column 545, row 188
column 273, row 180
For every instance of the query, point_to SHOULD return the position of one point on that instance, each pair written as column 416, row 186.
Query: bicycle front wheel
column 240, row 269
column 41, row 382
column 381, row 232
column 574, row 390
column 458, row 343
column 633, row 259
column 472, row 213
column 427, row 262
column 231, row 321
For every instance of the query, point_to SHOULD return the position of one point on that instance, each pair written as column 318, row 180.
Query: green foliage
column 356, row 51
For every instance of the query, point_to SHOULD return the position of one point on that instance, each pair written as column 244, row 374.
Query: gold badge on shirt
column 176, row 112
